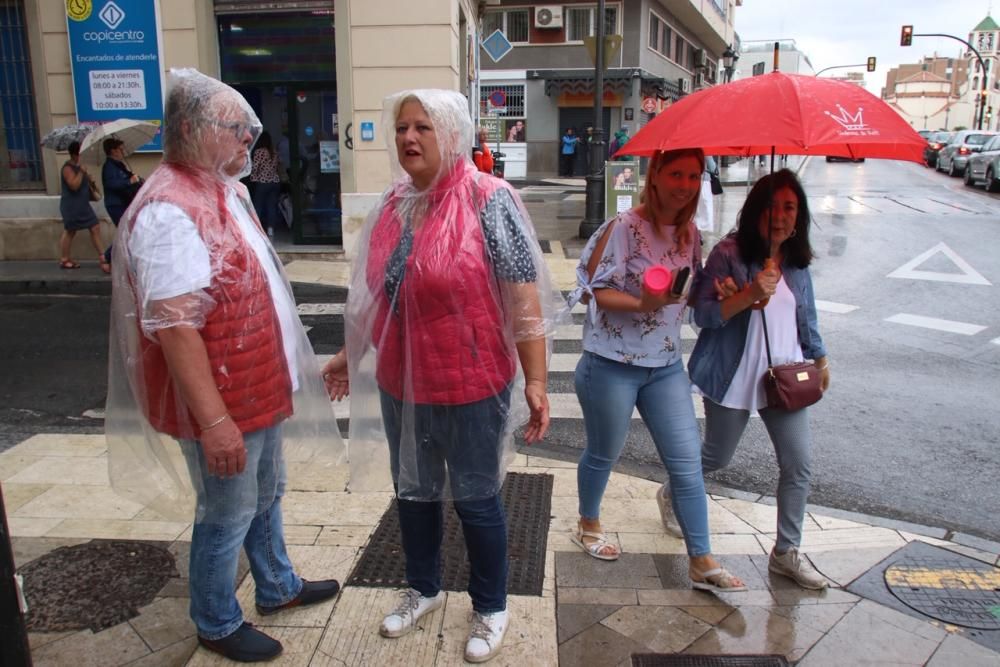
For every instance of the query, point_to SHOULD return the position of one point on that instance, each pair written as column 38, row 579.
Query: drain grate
column 95, row 585
column 954, row 590
column 527, row 501
column 671, row 660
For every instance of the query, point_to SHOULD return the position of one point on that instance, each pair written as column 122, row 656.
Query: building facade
column 657, row 51
column 315, row 71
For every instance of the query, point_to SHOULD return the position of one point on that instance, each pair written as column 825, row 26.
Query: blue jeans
column 231, row 520
column 467, row 439
column 608, row 391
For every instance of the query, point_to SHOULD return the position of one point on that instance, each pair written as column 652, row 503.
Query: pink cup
column 656, row 280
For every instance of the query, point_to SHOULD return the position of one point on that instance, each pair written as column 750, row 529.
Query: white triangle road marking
column 969, row 275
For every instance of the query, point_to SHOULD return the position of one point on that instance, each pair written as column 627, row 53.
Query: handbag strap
column 767, row 340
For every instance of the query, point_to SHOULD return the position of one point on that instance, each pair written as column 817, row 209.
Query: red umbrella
column 789, row 114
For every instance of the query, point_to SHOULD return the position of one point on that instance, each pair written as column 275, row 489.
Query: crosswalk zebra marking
column 834, row 307
column 949, row 326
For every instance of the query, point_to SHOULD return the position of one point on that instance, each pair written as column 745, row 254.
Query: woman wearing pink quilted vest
column 448, row 323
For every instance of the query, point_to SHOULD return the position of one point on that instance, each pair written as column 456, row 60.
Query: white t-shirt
column 173, row 260
column 746, row 391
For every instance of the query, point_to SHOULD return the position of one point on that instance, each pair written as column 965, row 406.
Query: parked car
column 837, row 158
column 926, row 134
column 937, row 141
column 955, row 154
column 985, row 165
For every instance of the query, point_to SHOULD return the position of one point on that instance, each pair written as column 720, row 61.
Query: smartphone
column 682, row 281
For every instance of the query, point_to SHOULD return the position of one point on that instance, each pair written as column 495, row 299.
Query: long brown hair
column 650, row 197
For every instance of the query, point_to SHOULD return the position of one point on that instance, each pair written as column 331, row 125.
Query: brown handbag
column 790, row 386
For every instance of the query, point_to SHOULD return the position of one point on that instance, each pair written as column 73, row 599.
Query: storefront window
column 20, row 158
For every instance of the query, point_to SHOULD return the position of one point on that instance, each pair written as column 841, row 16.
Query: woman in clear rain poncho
column 449, row 292
column 213, row 386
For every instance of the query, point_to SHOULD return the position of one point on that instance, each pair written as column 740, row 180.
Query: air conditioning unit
column 685, row 84
column 549, row 16
column 699, row 58
column 699, row 80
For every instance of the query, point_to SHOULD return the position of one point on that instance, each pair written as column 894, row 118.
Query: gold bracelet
column 215, row 423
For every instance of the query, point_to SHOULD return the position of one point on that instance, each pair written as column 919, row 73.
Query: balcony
column 706, row 19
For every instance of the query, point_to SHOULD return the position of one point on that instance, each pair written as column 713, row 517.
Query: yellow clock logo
column 79, row 10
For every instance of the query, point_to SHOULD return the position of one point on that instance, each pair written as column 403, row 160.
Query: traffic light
column 906, row 37
column 871, row 64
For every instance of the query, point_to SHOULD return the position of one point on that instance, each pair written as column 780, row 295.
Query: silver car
column 985, row 166
column 953, row 157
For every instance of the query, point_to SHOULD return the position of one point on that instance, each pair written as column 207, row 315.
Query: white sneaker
column 404, row 617
column 791, row 564
column 486, row 635
column 670, row 523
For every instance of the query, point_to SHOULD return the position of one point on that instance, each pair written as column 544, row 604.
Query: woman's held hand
column 538, row 403
column 335, row 376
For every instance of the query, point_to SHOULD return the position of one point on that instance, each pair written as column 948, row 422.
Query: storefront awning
column 264, row 6
column 616, row 80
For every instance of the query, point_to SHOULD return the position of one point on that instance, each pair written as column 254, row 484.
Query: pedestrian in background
column 481, row 154
column 120, row 185
column 76, row 211
column 632, row 358
column 729, row 360
column 208, row 351
column 266, row 180
column 449, row 292
column 568, row 152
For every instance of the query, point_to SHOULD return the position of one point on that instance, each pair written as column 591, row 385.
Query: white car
column 985, row 166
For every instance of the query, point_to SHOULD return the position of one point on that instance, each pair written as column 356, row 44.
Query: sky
column 844, row 32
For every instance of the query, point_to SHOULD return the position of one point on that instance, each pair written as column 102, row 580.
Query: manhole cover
column 95, row 585
column 953, row 590
column 527, row 501
column 673, row 660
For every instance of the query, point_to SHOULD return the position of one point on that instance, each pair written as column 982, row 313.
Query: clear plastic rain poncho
column 449, row 279
column 190, row 253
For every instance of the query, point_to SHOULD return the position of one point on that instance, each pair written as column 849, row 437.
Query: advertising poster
column 114, row 51
column 621, row 187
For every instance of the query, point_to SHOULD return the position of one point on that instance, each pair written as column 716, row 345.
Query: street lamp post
column 595, row 179
column 729, row 58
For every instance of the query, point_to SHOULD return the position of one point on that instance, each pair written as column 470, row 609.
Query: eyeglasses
column 239, row 129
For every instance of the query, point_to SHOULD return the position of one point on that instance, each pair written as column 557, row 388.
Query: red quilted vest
column 242, row 334
column 446, row 342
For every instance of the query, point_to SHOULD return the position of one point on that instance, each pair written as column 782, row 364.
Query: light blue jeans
column 228, row 524
column 608, row 392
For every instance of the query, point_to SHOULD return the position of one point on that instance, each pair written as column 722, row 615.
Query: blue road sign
column 114, row 51
column 497, row 46
column 498, row 98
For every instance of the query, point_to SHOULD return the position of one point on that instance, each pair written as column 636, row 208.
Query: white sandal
column 716, row 580
column 596, row 547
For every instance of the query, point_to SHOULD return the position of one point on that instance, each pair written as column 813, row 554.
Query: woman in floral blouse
column 632, row 358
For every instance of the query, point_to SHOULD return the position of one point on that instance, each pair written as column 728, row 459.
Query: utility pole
column 595, row 179
column 14, row 651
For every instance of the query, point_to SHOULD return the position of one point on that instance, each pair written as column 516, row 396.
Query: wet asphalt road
column 909, row 429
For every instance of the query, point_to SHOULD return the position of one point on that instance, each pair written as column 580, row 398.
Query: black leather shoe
column 247, row 644
column 311, row 593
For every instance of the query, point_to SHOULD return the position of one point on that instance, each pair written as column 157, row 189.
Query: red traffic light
column 906, row 36
column 871, row 63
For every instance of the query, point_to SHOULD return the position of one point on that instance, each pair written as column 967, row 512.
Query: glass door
column 315, row 165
